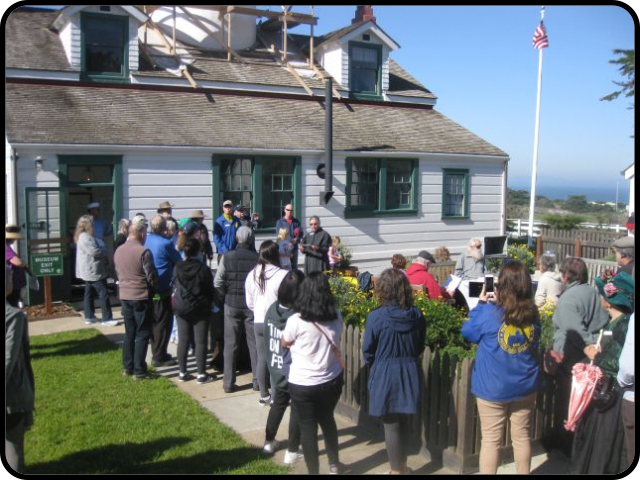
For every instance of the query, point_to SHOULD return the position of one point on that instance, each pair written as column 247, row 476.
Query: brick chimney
column 364, row 13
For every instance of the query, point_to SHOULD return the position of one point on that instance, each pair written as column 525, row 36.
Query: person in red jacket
column 418, row 274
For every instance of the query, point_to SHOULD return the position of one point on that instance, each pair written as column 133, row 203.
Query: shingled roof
column 160, row 117
column 30, row 44
column 82, row 113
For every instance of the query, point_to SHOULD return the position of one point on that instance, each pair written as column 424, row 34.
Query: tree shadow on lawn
column 85, row 346
column 134, row 458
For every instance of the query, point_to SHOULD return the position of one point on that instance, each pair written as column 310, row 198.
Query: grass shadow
column 134, row 458
column 87, row 345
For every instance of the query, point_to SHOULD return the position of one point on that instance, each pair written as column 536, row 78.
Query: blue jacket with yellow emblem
column 505, row 368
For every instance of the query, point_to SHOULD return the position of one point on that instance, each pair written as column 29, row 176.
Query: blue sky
column 480, row 63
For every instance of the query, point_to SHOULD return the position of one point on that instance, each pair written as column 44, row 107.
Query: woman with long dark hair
column 394, row 338
column 315, row 379
column 505, row 375
column 193, row 280
column 261, row 288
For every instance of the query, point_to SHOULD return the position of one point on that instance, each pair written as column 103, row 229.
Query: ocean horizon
column 596, row 193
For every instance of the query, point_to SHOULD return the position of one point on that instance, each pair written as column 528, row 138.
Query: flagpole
column 534, row 172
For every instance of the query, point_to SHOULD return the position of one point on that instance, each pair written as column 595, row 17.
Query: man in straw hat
column 165, row 209
column 18, row 267
column 198, row 216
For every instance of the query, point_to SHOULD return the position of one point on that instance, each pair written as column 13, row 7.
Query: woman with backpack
column 192, row 302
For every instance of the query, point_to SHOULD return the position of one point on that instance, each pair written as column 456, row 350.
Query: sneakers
column 109, row 323
column 90, row 321
column 292, row 457
column 265, row 400
column 231, row 389
column 185, row 377
column 206, row 378
column 335, row 468
column 270, row 447
column 144, row 376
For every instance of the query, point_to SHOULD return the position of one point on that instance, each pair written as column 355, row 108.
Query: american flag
column 540, row 39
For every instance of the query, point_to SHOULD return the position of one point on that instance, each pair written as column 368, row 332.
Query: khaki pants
column 493, row 417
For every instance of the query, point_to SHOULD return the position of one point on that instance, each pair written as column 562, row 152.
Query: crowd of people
column 288, row 323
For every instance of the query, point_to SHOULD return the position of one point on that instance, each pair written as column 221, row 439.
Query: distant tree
column 627, row 62
column 576, row 203
column 563, row 222
column 517, row 197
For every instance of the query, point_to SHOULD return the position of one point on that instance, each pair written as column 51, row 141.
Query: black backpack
column 364, row 281
column 183, row 302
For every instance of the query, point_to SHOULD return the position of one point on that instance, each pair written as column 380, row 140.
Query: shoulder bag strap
column 335, row 349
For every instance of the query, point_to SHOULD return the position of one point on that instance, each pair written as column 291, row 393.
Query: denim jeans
column 315, row 405
column 100, row 286
column 138, row 324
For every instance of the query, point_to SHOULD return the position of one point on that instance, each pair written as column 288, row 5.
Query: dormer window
column 105, row 46
column 365, row 72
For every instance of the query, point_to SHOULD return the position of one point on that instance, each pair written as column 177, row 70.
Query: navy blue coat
column 393, row 341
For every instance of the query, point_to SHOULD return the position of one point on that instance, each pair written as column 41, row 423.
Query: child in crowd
column 442, row 254
column 285, row 247
column 334, row 253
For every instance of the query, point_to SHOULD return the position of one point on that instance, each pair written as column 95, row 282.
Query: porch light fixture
column 39, row 163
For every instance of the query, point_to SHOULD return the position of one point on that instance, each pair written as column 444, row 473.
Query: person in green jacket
column 19, row 383
column 577, row 321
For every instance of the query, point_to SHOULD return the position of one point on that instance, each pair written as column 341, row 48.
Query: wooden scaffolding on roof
column 286, row 19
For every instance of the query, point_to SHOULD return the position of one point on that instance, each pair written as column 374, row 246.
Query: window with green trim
column 381, row 186
column 105, row 46
column 455, row 194
column 262, row 184
column 365, row 73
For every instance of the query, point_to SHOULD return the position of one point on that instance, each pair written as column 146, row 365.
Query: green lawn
column 91, row 419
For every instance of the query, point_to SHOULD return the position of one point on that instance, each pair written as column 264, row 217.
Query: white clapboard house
column 135, row 105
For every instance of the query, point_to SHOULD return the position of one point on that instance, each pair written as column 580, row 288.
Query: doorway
column 85, row 180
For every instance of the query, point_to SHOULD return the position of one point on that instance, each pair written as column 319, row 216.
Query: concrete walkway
column 361, row 451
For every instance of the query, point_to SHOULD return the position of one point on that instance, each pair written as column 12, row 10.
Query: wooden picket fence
column 585, row 243
column 447, row 428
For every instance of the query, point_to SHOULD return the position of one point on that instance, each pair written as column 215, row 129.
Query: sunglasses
column 288, row 210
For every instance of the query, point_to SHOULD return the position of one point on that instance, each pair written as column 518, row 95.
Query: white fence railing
column 522, row 227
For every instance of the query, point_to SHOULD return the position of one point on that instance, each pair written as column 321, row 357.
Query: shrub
column 546, row 315
column 444, row 322
column 515, row 251
column 345, row 251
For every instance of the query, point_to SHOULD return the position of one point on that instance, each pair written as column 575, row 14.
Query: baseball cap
column 93, row 205
column 227, row 202
column 624, row 242
column 427, row 256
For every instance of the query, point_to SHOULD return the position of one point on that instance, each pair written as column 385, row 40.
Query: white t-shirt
column 312, row 360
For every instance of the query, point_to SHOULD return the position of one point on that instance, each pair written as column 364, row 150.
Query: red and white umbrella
column 584, row 383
